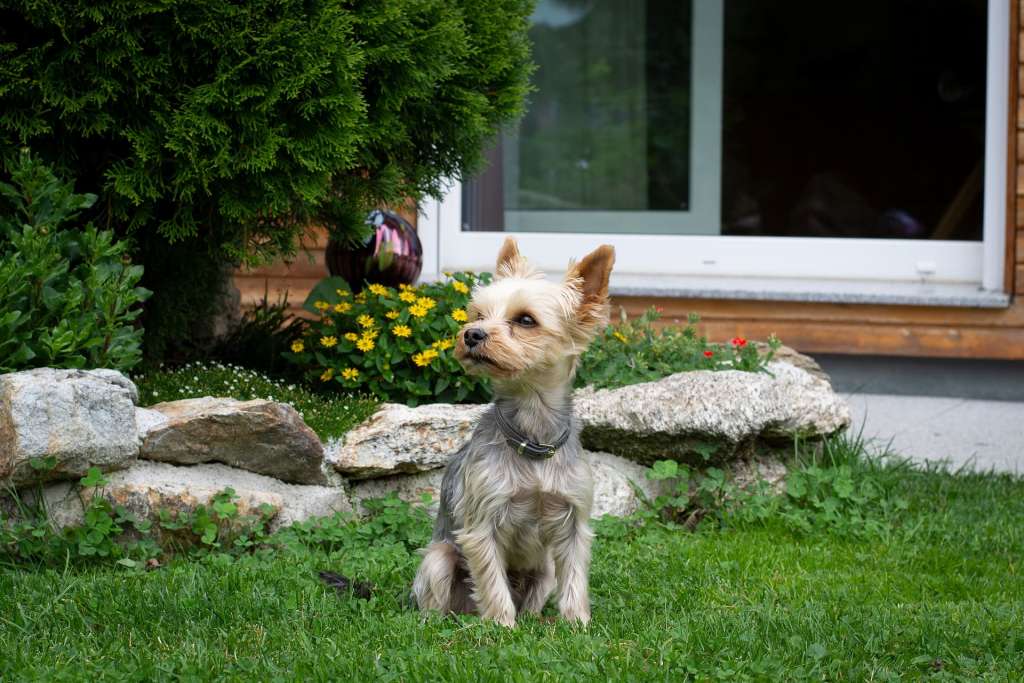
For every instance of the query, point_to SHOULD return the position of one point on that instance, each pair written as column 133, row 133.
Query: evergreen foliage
column 228, row 128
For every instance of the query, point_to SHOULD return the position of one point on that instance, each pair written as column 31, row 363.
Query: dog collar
column 523, row 445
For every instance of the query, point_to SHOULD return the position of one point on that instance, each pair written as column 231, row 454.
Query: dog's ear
column 510, row 261
column 590, row 277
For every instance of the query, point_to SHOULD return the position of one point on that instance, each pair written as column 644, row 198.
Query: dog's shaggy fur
column 510, row 529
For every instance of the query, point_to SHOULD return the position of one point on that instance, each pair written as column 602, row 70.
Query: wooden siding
column 813, row 328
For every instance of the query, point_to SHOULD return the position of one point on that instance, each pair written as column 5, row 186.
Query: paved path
column 985, row 435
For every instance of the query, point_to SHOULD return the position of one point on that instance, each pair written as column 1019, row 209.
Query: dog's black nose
column 474, row 336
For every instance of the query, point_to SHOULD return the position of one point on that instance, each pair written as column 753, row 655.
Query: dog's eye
column 526, row 320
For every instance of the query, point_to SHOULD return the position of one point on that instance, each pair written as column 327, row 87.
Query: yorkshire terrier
column 515, row 500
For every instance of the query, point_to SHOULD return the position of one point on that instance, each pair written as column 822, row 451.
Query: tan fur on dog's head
column 525, row 327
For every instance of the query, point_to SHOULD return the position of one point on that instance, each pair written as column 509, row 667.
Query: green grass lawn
column 936, row 592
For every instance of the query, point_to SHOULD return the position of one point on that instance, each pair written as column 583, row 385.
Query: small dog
column 515, row 500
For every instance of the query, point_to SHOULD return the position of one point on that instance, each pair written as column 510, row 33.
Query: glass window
column 791, row 118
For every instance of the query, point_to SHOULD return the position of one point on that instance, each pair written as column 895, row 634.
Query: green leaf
column 93, row 477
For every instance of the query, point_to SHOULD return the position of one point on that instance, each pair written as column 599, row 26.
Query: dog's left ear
column 590, row 276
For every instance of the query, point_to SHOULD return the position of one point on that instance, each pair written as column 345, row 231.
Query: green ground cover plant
column 929, row 592
column 636, row 350
column 69, row 294
column 329, row 415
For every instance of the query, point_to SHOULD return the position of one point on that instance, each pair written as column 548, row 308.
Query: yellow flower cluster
column 298, row 346
column 351, row 336
column 379, row 290
column 424, row 357
column 459, row 315
column 391, row 315
column 349, row 373
column 417, row 311
column 365, row 321
column 365, row 344
column 426, row 302
column 443, row 344
column 401, row 330
column 460, row 287
column 343, row 307
column 328, row 342
column 407, row 296
column 321, row 305
column 328, row 374
column 621, row 337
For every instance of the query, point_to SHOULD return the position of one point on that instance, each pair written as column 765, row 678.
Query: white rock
column 401, row 440
column 147, row 487
column 81, row 418
column 614, row 481
column 722, row 413
column 259, row 436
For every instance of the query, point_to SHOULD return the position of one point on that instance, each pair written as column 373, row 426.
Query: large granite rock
column 145, row 488
column 703, row 416
column 259, row 436
column 402, row 440
column 75, row 419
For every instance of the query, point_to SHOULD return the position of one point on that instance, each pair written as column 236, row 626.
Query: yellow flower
column 401, row 330
column 343, row 307
column 361, row 297
column 460, row 287
column 443, row 344
column 298, row 346
column 321, row 305
column 365, row 320
column 342, row 292
column 459, row 315
column 621, row 337
column 418, row 311
column 351, row 336
column 407, row 296
column 379, row 290
column 369, row 334
column 402, row 286
column 423, row 358
column 391, row 315
column 328, row 374
column 349, row 373
column 426, row 302
column 328, row 342
column 365, row 344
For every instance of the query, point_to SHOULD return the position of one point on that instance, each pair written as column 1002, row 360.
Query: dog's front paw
column 576, row 615
column 505, row 618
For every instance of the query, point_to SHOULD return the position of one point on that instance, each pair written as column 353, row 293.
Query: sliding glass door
column 744, row 138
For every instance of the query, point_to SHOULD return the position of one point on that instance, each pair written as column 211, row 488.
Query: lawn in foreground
column 937, row 595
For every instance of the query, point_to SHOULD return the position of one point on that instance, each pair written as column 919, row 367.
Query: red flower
column 708, row 354
column 739, row 342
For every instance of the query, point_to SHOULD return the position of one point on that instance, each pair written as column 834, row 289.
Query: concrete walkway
column 980, row 435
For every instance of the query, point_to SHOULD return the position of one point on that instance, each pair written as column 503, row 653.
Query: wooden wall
column 813, row 328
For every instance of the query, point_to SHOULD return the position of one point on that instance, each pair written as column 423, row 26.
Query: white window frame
column 872, row 261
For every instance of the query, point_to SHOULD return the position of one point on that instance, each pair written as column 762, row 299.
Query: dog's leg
column 433, row 585
column 540, row 587
column 570, row 543
column 490, row 581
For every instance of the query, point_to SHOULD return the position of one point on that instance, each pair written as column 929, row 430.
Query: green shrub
column 327, row 415
column 633, row 351
column 219, row 131
column 396, row 344
column 69, row 292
